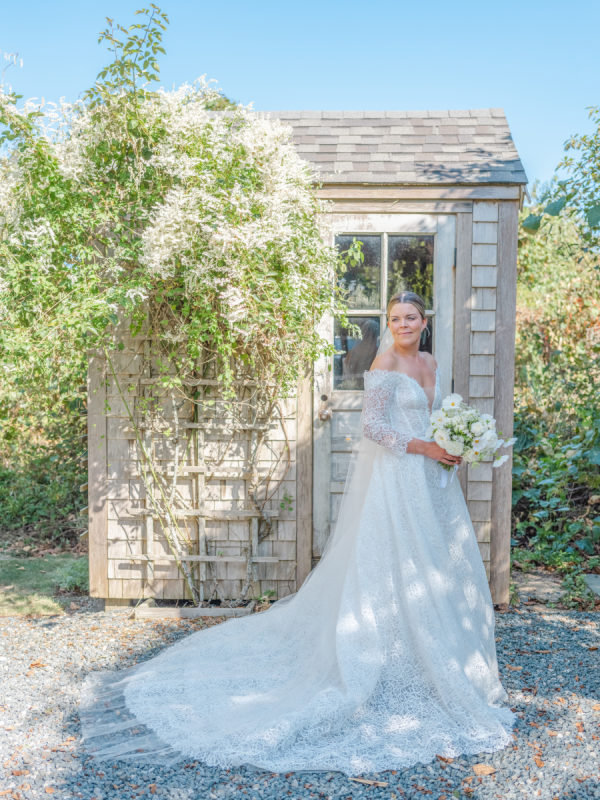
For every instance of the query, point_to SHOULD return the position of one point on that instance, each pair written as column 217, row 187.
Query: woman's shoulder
column 429, row 359
column 381, row 372
column 379, row 380
column 383, row 362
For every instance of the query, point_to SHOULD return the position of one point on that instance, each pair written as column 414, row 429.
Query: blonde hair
column 407, row 297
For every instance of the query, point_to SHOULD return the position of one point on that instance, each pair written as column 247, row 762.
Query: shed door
column 401, row 252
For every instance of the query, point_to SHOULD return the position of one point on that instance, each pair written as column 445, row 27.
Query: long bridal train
column 383, row 658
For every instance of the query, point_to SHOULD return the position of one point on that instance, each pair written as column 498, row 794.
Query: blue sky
column 536, row 60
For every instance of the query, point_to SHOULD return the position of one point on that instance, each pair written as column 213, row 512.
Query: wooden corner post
column 504, row 381
column 97, row 478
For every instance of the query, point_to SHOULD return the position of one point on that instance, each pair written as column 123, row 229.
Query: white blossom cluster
column 59, row 125
column 217, row 228
column 172, row 192
column 10, row 175
column 463, row 430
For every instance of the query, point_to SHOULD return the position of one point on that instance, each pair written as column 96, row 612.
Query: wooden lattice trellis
column 226, row 543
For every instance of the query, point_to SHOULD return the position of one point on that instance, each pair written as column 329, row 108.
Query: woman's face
column 406, row 323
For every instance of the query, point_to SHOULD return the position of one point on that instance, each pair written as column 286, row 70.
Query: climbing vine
column 186, row 217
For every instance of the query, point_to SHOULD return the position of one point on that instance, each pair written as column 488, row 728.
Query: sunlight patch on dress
column 467, row 624
column 348, row 624
column 476, row 667
column 440, row 581
column 416, row 590
column 400, row 723
column 250, row 697
column 471, row 594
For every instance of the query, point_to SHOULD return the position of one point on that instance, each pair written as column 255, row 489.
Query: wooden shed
column 434, row 197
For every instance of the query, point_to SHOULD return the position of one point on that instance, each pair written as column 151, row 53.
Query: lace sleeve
column 377, row 397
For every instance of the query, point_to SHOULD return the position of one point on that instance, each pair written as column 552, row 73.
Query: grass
column 33, row 585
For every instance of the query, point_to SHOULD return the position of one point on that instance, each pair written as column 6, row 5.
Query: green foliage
column 267, row 596
column 354, row 255
column 555, row 207
column 134, row 58
column 74, row 576
column 554, row 478
column 179, row 215
column 558, row 311
column 578, row 195
column 39, row 488
column 556, row 474
column 286, row 501
column 577, row 592
column 42, row 460
column 531, row 222
column 582, row 187
column 202, row 229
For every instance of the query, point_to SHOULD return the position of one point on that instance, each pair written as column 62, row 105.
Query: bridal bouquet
column 464, row 431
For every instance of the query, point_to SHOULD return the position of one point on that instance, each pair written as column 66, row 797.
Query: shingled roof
column 408, row 147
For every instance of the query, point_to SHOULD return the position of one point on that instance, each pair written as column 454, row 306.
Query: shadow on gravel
column 548, row 661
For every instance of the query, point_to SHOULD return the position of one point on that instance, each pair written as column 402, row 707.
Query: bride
column 383, row 658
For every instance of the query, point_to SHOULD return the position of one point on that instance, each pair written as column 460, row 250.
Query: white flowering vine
column 190, row 216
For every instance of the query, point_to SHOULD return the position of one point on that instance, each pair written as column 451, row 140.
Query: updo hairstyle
column 407, row 297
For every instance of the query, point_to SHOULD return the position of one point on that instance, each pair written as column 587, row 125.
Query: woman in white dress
column 383, row 658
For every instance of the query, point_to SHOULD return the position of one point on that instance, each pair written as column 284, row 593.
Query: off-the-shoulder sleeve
column 378, row 395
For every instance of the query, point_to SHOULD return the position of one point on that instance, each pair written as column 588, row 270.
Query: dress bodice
column 396, row 408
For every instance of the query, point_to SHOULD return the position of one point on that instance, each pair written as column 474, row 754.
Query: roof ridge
column 425, row 113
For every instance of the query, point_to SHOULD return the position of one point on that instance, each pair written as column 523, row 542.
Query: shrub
column 556, row 465
column 74, row 577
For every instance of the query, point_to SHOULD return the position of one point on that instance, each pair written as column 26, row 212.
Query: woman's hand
column 432, row 450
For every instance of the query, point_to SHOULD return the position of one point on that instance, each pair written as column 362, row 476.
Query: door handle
column 325, row 414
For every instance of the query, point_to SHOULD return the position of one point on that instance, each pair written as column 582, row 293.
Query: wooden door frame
column 444, row 227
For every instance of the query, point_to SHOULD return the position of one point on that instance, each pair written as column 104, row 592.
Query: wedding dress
column 383, row 658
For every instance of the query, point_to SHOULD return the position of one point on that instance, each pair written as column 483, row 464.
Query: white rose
column 453, row 401
column 455, row 448
column 489, row 440
column 442, row 438
column 477, row 428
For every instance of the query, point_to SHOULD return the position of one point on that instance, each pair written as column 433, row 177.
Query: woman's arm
column 377, row 396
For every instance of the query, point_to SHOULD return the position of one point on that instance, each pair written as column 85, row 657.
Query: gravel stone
column 549, row 663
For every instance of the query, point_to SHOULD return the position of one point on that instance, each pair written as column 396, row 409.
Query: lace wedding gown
column 383, row 658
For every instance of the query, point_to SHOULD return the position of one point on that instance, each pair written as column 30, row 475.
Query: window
column 392, row 263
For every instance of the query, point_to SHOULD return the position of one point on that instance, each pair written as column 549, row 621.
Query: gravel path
column 549, row 662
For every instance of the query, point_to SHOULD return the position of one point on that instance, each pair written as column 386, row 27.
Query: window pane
column 356, row 354
column 428, row 343
column 362, row 282
column 410, row 266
